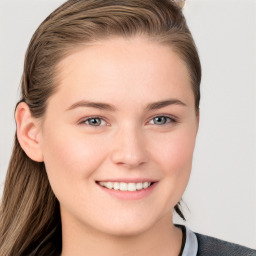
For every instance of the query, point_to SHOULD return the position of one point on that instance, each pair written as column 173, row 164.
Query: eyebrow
column 109, row 107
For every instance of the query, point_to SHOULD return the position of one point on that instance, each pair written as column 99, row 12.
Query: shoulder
column 212, row 246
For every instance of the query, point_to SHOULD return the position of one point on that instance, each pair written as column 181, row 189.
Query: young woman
column 106, row 128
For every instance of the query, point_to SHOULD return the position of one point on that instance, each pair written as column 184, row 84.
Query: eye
column 93, row 121
column 162, row 120
column 98, row 121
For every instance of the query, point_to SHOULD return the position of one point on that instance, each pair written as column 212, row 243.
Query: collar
column 191, row 245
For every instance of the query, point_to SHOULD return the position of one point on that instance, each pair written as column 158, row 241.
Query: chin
column 126, row 228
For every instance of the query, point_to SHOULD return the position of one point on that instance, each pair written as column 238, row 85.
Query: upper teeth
column 125, row 186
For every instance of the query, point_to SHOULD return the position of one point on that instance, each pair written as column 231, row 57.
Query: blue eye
column 93, row 121
column 98, row 121
column 162, row 120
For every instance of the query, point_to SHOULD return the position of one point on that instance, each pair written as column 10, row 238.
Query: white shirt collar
column 191, row 244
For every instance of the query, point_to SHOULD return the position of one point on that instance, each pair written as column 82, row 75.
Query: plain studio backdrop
column 221, row 196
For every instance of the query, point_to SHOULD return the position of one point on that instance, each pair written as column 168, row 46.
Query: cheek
column 70, row 155
column 175, row 158
column 176, row 152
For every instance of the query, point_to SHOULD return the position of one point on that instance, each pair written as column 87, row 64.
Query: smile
column 123, row 186
column 127, row 190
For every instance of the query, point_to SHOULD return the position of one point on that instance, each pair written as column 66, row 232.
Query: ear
column 28, row 130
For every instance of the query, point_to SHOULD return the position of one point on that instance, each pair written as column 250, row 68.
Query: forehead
column 123, row 67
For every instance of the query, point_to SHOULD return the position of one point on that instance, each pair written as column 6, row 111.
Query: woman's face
column 123, row 115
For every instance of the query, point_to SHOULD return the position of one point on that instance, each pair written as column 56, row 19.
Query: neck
column 163, row 238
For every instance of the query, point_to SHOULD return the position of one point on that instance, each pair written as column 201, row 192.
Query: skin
column 127, row 143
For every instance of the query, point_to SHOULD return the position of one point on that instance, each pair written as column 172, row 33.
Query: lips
column 127, row 190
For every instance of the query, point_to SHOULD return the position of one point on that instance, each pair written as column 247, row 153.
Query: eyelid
column 83, row 120
column 173, row 119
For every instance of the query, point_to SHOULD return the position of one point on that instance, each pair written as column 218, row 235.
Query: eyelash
column 83, row 122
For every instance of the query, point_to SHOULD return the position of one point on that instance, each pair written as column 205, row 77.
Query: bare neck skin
column 163, row 238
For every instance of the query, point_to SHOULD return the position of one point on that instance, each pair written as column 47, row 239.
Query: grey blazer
column 209, row 246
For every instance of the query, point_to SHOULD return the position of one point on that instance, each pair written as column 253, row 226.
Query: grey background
column 221, row 196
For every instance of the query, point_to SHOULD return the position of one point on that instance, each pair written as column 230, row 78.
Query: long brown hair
column 29, row 214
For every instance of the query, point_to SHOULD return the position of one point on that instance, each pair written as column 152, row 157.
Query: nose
column 129, row 149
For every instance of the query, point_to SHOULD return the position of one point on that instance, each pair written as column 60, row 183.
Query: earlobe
column 28, row 130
